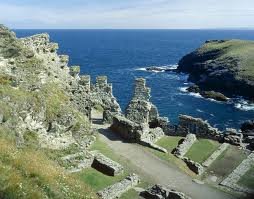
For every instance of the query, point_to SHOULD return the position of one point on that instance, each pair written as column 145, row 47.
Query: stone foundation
column 160, row 192
column 107, row 166
column 116, row 190
column 215, row 155
column 235, row 176
column 194, row 166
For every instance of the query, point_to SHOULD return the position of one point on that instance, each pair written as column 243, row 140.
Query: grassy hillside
column 241, row 50
column 226, row 66
column 28, row 174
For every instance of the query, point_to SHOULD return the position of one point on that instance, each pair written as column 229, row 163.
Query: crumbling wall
column 185, row 145
column 197, row 126
column 116, row 190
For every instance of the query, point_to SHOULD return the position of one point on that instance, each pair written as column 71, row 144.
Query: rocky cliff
column 44, row 104
column 226, row 66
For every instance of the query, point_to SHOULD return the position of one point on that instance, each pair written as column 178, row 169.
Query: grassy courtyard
column 169, row 143
column 226, row 162
column 91, row 176
column 248, row 179
column 202, row 149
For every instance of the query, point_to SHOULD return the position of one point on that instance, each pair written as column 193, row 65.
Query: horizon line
column 240, row 28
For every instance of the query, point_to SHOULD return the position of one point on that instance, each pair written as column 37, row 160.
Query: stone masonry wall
column 116, row 190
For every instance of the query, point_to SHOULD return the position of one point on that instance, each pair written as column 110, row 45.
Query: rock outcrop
column 224, row 66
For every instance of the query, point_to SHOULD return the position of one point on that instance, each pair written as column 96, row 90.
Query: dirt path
column 162, row 173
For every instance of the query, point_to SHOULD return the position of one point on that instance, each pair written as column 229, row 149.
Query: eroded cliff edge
column 225, row 66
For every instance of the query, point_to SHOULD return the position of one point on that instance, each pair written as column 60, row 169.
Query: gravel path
column 163, row 173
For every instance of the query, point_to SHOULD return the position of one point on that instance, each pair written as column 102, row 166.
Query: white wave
column 141, row 69
column 244, row 105
column 198, row 110
column 183, row 89
column 159, row 68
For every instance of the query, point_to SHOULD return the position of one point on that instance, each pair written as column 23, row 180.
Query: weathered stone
column 197, row 126
column 78, row 161
column 106, row 165
column 194, row 166
column 116, row 190
column 126, row 128
column 160, row 192
column 74, row 70
column 215, row 155
column 185, row 145
column 233, row 137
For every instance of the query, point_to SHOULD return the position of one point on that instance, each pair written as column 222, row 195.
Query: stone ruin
column 161, row 192
column 116, row 190
column 202, row 129
column 141, row 122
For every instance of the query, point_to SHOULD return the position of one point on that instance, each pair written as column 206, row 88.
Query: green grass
column 248, row 179
column 226, row 162
column 98, row 180
column 242, row 50
column 202, row 149
column 28, row 174
column 169, row 143
column 131, row 194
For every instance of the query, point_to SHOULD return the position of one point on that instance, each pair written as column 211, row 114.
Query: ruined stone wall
column 116, row 190
column 197, row 126
column 102, row 95
column 140, row 109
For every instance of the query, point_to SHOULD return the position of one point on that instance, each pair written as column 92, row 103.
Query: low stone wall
column 215, row 155
column 232, row 180
column 116, row 190
column 197, row 126
column 183, row 148
column 78, row 161
column 194, row 166
column 160, row 192
column 105, row 165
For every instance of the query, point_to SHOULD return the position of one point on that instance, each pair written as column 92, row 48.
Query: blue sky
column 127, row 14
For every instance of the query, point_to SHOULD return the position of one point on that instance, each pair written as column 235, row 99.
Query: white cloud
column 132, row 14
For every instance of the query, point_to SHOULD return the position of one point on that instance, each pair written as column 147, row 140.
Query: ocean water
column 122, row 55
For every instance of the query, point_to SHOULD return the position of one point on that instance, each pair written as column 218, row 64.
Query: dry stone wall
column 184, row 147
column 116, row 190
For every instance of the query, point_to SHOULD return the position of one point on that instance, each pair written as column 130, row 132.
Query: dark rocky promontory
column 225, row 66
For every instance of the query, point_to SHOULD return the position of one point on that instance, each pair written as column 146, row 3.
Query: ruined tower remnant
column 140, row 109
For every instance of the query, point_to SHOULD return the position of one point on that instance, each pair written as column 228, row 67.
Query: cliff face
column 225, row 66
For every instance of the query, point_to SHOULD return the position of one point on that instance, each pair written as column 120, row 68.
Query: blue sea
column 123, row 55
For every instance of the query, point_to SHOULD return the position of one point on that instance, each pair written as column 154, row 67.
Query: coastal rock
column 160, row 192
column 219, row 67
column 208, row 94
